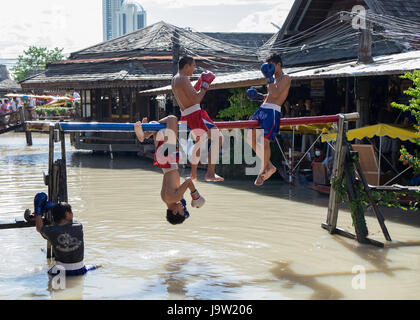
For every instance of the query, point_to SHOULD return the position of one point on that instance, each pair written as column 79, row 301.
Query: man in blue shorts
column 269, row 113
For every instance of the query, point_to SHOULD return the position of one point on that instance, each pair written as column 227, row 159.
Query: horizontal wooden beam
column 17, row 225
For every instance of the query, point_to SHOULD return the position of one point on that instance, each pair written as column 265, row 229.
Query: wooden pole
column 28, row 135
column 357, row 211
column 50, row 181
column 63, row 170
column 376, row 210
column 338, row 169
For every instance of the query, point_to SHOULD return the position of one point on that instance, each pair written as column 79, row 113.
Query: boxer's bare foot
column 270, row 171
column 138, row 129
column 213, row 178
column 260, row 180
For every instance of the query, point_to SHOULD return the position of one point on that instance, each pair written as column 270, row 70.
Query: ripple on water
column 245, row 243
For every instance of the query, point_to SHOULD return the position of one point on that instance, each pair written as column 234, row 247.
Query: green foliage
column 52, row 111
column 414, row 108
column 382, row 198
column 240, row 107
column 33, row 59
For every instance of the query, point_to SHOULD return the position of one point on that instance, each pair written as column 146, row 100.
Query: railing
column 11, row 120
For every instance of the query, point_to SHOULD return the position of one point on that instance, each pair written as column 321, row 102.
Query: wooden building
column 110, row 75
column 340, row 68
column 7, row 85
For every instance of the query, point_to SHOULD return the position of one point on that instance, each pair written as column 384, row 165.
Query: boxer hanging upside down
column 172, row 192
column 189, row 98
column 268, row 114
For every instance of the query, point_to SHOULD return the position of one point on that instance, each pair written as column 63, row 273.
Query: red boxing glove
column 207, row 78
column 197, row 85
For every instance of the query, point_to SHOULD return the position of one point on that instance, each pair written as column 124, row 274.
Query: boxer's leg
column 214, row 152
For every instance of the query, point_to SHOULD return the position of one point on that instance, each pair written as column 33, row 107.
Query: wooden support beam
column 375, row 208
column 338, row 168
column 63, row 171
column 16, row 225
column 352, row 236
column 50, row 181
column 43, row 126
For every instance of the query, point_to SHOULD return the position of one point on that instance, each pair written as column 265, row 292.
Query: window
column 140, row 21
column 124, row 23
column 115, row 103
column 85, row 103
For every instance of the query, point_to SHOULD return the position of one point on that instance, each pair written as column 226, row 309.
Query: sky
column 77, row 24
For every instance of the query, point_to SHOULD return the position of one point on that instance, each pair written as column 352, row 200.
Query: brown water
column 245, row 243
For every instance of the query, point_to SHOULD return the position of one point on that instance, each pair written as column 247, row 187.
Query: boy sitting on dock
column 172, row 192
column 65, row 236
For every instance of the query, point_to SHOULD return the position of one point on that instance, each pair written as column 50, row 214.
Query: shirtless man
column 172, row 192
column 268, row 114
column 189, row 98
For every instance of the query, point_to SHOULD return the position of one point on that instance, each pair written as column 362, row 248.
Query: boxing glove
column 186, row 213
column 254, row 95
column 207, row 78
column 197, row 85
column 197, row 200
column 39, row 203
column 268, row 70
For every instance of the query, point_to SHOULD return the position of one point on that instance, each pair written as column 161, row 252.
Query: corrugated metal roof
column 390, row 64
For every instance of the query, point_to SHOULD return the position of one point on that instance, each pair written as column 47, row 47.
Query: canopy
column 380, row 130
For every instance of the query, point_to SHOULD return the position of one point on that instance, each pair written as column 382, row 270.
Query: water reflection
column 245, row 243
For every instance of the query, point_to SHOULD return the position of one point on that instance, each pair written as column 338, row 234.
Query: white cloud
column 260, row 21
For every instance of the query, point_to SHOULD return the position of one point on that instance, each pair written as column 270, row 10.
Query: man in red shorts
column 172, row 192
column 189, row 99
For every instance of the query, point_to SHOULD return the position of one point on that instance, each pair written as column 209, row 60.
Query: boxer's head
column 187, row 65
column 275, row 59
column 177, row 213
column 62, row 212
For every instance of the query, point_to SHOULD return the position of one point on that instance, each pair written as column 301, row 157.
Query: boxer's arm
column 187, row 184
column 195, row 96
column 277, row 88
column 39, row 223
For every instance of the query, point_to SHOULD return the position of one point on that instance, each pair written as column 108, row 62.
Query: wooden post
column 378, row 214
column 357, row 211
column 175, row 52
column 28, row 135
column 338, row 169
column 63, row 171
column 50, row 181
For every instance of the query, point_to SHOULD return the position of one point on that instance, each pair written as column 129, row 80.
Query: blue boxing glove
column 186, row 213
column 40, row 201
column 268, row 70
column 254, row 95
column 49, row 205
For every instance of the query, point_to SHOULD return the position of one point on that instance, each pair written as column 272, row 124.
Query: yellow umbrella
column 380, row 130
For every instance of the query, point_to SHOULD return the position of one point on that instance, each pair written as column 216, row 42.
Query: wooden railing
column 11, row 120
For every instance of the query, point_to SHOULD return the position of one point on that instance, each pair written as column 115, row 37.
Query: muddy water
column 245, row 243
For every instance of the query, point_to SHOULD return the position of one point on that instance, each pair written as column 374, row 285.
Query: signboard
column 317, row 88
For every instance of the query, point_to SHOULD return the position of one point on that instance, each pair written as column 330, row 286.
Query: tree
column 414, row 108
column 35, row 58
column 240, row 108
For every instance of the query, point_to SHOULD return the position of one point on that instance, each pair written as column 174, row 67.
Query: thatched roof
column 7, row 84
